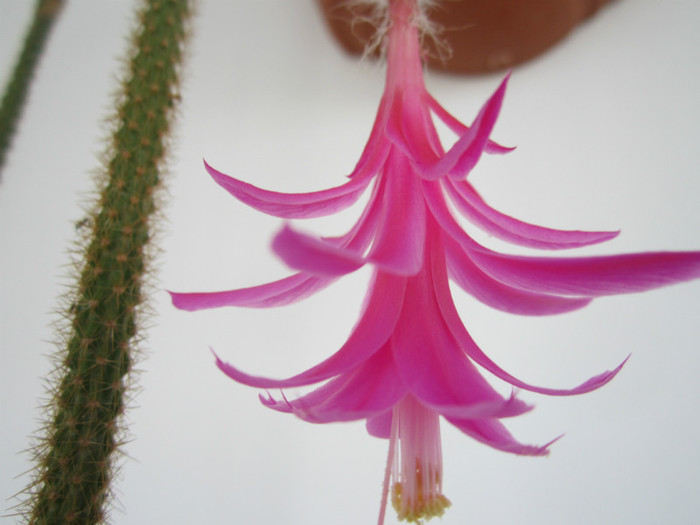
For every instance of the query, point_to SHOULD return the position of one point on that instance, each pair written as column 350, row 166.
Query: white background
column 607, row 128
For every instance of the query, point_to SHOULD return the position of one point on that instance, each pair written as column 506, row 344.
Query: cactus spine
column 75, row 458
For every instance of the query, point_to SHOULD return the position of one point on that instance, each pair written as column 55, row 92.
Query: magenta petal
column 459, row 128
column 471, row 349
column 398, row 246
column 417, row 127
column 410, row 129
column 440, row 375
column 372, row 330
column 465, row 153
column 399, row 232
column 370, row 389
column 500, row 296
column 293, row 205
column 474, row 208
column 502, row 408
column 278, row 293
column 430, row 361
column 494, row 434
column 475, row 353
column 290, row 289
column 380, row 424
column 309, row 254
column 376, row 149
column 577, row 276
column 591, row 276
column 280, row 405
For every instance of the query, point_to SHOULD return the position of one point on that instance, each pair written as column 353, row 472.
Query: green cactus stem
column 17, row 88
column 76, row 456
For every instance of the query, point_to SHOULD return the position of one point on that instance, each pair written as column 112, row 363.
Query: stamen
column 387, row 479
column 416, row 493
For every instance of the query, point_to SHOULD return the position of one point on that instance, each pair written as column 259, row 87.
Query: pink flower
column 409, row 359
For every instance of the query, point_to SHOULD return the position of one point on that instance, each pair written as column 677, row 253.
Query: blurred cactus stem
column 83, row 428
column 18, row 86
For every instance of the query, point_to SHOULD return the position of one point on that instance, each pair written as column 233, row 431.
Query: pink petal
column 494, row 434
column 501, row 408
column 465, row 153
column 377, row 148
column 592, row 276
column 380, row 424
column 459, row 129
column 290, row 289
column 293, row 205
column 582, row 276
column 278, row 293
column 472, row 350
column 399, row 232
column 332, row 256
column 370, row 389
column 500, row 296
column 430, row 361
column 410, row 129
column 398, row 246
column 312, row 255
column 282, row 405
column 372, row 330
column 473, row 207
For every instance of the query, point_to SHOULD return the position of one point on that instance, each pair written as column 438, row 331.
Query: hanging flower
column 409, row 359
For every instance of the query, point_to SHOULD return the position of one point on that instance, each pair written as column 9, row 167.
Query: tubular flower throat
column 409, row 358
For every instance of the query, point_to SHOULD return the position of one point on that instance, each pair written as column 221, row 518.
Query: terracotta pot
column 483, row 35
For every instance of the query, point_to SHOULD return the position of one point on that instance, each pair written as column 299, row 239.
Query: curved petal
column 459, row 160
column 293, row 205
column 395, row 217
column 592, row 276
column 278, row 293
column 500, row 296
column 380, row 425
column 410, row 129
column 282, row 405
column 288, row 290
column 474, row 208
column 493, row 433
column 370, row 389
column 577, row 276
column 331, row 256
column 430, row 361
column 398, row 245
column 502, row 408
column 472, row 350
column 372, row 330
column 310, row 254
column 377, row 148
column 458, row 128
